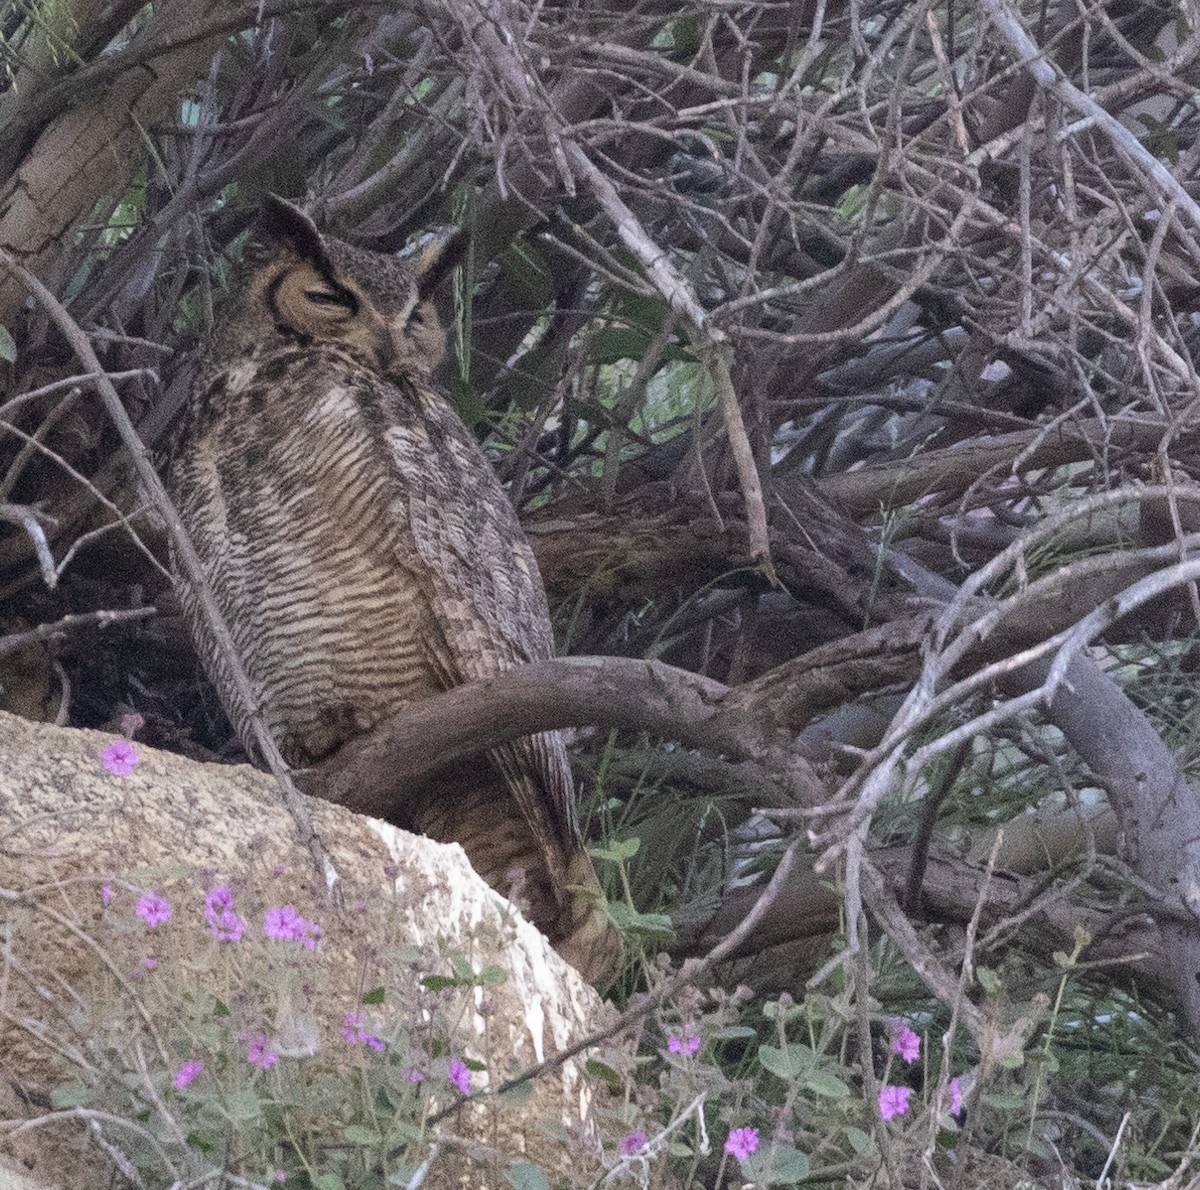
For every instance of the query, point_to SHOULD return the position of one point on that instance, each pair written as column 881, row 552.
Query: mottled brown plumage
column 364, row 554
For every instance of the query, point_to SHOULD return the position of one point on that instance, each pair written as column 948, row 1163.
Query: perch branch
column 546, row 696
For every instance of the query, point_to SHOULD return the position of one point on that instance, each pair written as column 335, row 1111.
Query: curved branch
column 405, row 750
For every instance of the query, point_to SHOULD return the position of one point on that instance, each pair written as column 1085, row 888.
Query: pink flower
column 105, row 893
column 154, row 909
column 280, row 1175
column 907, row 1044
column 258, row 1053
column 893, row 1101
column 187, row 1072
column 684, row 1045
column 120, row 757
column 955, row 1098
column 741, row 1142
column 223, row 923
column 282, row 921
column 414, row 1075
column 635, row 1142
column 355, row 1034
column 460, row 1076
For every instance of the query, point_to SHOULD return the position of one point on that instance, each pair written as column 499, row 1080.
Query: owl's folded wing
column 484, row 590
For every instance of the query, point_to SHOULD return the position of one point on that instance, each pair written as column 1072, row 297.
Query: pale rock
column 67, row 827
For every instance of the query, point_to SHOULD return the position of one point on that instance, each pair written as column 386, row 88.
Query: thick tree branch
column 369, row 774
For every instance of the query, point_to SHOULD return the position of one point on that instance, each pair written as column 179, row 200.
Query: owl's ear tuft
column 280, row 220
column 436, row 255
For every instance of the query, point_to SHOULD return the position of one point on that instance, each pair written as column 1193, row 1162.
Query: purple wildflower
column 355, row 1034
column 460, row 1076
column 282, row 921
column 149, row 964
column 907, row 1044
column 684, row 1045
column 258, row 1053
column 105, row 893
column 120, row 757
column 635, row 1142
column 955, row 1098
column 223, row 923
column 187, row 1072
column 280, row 1175
column 741, row 1142
column 414, row 1075
column 154, row 909
column 893, row 1101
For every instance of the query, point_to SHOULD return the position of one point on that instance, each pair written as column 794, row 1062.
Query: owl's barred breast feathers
column 364, row 554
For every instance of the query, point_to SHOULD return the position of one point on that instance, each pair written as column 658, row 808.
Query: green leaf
column 734, row 1033
column 624, row 917
column 356, row 1134
column 525, row 1176
column 328, row 1181
column 8, row 348
column 490, row 976
column 988, row 980
column 1047, row 1061
column 1012, row 1099
column 656, row 925
column 788, row 1166
column 783, row 1063
column 374, row 996
column 827, row 1085
column 72, row 1094
column 863, row 1143
column 243, row 1105
column 599, row 1070
column 618, row 849
column 205, row 1141
column 437, row 983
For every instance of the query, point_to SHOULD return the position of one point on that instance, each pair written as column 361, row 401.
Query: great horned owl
column 364, row 554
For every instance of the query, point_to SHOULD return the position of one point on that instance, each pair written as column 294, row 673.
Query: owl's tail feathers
column 586, row 938
column 552, row 879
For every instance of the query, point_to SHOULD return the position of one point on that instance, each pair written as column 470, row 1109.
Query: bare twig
column 27, row 518
column 1140, row 159
column 70, row 623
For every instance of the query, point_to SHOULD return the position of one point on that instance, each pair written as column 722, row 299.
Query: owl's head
column 375, row 306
